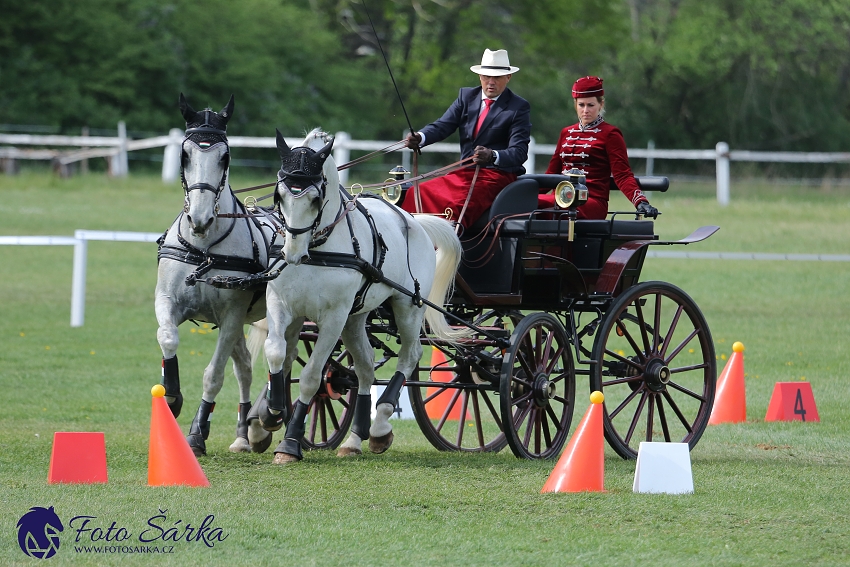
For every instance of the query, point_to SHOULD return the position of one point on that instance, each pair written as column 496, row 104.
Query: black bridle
column 205, row 136
column 298, row 174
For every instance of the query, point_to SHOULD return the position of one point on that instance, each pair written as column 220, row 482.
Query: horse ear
column 227, row 111
column 282, row 148
column 326, row 151
column 187, row 111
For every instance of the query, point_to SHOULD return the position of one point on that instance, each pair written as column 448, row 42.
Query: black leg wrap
column 274, row 398
column 392, row 391
column 171, row 382
column 291, row 444
column 242, row 420
column 362, row 416
column 199, row 431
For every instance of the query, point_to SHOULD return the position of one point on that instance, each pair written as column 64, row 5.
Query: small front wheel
column 537, row 388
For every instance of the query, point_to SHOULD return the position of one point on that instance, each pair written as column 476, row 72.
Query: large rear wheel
column 654, row 362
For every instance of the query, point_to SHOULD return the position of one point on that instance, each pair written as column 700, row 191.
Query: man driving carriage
column 494, row 126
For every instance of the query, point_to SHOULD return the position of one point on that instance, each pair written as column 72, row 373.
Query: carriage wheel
column 331, row 410
column 654, row 361
column 537, row 388
column 470, row 393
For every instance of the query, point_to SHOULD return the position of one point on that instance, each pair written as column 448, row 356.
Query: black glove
column 647, row 210
column 412, row 141
column 483, row 156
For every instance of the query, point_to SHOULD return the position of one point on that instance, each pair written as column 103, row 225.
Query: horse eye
column 225, row 160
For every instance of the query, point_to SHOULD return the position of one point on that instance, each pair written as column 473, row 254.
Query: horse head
column 305, row 174
column 204, row 161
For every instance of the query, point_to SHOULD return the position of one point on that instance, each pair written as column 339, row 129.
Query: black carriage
column 549, row 298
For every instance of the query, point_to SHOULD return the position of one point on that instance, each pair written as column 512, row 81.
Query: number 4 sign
column 792, row 401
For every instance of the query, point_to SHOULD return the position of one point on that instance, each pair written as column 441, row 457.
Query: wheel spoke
column 626, row 380
column 686, row 391
column 656, row 323
column 689, row 368
column 547, row 435
column 643, row 334
column 449, row 407
column 461, row 421
column 636, row 417
column 682, row 345
column 523, row 362
column 332, row 413
column 669, row 336
column 492, row 409
column 677, row 411
column 663, row 419
column 476, row 414
column 650, row 414
column 628, row 336
column 554, row 360
column 631, row 363
column 624, row 403
column 555, row 421
column 530, row 426
column 546, row 351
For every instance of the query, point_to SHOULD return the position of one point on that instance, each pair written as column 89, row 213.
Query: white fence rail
column 116, row 150
column 81, row 238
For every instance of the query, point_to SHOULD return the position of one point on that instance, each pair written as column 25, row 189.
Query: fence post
column 171, row 156
column 650, row 160
column 342, row 154
column 529, row 163
column 78, row 283
column 119, row 160
column 722, row 161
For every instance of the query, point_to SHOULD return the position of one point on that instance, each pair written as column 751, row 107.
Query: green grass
column 765, row 493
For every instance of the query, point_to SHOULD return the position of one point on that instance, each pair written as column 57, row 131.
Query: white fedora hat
column 494, row 64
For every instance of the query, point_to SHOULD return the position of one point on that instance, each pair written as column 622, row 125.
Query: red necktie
column 488, row 102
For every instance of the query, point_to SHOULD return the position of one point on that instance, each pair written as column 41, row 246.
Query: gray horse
column 214, row 236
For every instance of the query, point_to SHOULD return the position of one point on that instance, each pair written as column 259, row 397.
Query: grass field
column 765, row 493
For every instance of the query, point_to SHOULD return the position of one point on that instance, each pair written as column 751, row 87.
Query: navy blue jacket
column 506, row 129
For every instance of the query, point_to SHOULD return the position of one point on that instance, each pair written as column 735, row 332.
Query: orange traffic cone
column 437, row 407
column 77, row 457
column 581, row 467
column 170, row 459
column 730, row 401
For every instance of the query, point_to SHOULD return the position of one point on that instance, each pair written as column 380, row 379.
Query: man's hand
column 483, row 156
column 647, row 210
column 412, row 141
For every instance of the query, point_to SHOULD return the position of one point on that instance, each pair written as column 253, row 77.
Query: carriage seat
column 521, row 197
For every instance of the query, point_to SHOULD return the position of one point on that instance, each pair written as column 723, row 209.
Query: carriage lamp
column 394, row 193
column 570, row 194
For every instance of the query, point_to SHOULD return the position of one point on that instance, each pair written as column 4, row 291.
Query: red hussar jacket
column 600, row 151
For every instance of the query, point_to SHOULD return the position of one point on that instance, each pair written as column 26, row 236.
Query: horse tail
column 256, row 338
column 449, row 251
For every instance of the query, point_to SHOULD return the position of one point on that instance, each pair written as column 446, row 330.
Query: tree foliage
column 759, row 74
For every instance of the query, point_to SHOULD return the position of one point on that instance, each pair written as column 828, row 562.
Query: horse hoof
column 196, row 443
column 268, row 420
column 241, row 445
column 284, row 459
column 380, row 444
column 348, row 452
column 262, row 445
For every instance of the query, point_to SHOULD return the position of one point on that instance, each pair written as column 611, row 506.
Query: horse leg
column 289, row 450
column 169, row 339
column 242, row 369
column 357, row 343
column 199, row 430
column 273, row 407
column 408, row 319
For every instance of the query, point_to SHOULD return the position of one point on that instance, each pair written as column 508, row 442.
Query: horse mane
column 316, row 140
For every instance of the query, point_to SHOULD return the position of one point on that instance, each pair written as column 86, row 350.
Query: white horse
column 345, row 258
column 203, row 242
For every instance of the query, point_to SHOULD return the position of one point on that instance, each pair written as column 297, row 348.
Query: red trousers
column 449, row 192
